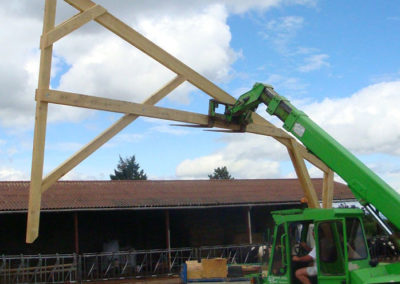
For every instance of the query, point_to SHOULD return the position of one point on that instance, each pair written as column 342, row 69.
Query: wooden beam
column 308, row 156
column 35, row 191
column 142, row 43
column 89, row 11
column 71, row 25
column 327, row 190
column 100, row 140
column 139, row 41
column 259, row 120
column 303, row 176
column 91, row 102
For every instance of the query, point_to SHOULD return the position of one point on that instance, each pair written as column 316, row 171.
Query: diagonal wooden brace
column 71, row 25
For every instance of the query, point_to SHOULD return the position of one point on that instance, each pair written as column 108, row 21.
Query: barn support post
column 76, row 232
column 248, row 218
column 168, row 237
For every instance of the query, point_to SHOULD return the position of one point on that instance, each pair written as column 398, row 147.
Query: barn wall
column 56, row 234
column 135, row 229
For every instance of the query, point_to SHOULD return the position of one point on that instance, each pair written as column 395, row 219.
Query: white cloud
column 113, row 68
column 65, row 146
column 124, row 138
column 287, row 84
column 245, row 155
column 77, row 175
column 242, row 168
column 165, row 128
column 16, row 86
column 385, row 77
column 282, row 31
column 366, row 122
column 240, row 6
column 393, row 179
column 9, row 174
column 104, row 65
column 315, row 62
column 101, row 64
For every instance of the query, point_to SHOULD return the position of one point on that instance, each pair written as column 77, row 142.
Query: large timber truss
column 89, row 11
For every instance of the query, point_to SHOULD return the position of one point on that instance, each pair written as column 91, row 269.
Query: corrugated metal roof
column 80, row 195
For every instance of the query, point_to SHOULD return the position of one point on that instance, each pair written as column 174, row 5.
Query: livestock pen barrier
column 74, row 268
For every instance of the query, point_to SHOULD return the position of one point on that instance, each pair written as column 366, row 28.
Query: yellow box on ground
column 194, row 269
column 214, row 268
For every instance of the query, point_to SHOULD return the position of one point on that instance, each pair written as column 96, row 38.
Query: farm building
column 96, row 216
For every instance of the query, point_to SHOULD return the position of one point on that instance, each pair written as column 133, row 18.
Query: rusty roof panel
column 133, row 194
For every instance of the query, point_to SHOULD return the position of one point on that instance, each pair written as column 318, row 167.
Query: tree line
column 129, row 169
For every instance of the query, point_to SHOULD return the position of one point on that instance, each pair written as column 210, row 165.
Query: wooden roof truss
column 90, row 11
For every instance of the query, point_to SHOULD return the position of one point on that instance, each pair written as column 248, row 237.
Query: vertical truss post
column 40, row 128
column 327, row 189
column 303, row 175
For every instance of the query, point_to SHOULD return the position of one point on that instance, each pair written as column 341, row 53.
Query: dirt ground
column 166, row 280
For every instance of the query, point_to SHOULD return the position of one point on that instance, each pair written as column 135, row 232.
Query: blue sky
column 339, row 61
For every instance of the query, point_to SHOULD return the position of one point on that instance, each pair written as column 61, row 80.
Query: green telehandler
column 342, row 255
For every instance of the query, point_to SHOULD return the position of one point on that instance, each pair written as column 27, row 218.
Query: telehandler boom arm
column 367, row 187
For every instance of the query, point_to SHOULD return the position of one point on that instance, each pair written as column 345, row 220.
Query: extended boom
column 363, row 182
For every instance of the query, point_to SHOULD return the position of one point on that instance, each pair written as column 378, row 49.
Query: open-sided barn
column 93, row 216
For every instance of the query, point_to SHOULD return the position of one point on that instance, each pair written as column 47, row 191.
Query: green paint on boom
column 368, row 187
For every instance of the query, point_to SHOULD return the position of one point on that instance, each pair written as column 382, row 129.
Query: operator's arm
column 305, row 258
column 305, row 246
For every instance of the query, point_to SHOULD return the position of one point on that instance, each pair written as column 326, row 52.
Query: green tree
column 128, row 169
column 220, row 173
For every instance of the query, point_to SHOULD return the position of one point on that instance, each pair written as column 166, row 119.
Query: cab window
column 331, row 251
column 356, row 248
column 278, row 267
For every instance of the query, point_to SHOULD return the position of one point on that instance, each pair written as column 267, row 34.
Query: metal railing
column 234, row 254
column 39, row 269
column 134, row 263
column 74, row 268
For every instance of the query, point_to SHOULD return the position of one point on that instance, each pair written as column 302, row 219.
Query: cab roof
column 311, row 214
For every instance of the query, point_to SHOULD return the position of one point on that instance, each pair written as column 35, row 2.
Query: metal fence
column 134, row 263
column 39, row 269
column 126, row 264
column 233, row 254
